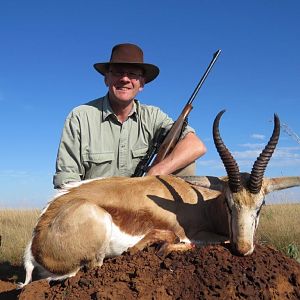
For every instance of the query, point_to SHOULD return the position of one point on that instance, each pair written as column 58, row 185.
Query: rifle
column 165, row 141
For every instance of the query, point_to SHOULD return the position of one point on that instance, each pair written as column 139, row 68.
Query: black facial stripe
column 258, row 212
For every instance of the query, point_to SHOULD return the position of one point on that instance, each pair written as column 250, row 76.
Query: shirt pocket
column 137, row 155
column 98, row 164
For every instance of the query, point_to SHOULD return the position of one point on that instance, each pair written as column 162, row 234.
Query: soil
column 210, row 272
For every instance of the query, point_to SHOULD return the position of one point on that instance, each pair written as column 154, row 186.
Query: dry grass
column 279, row 227
column 15, row 229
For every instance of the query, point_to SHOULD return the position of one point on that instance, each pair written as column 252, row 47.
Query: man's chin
column 125, row 96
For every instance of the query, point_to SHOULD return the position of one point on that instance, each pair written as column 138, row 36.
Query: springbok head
column 244, row 193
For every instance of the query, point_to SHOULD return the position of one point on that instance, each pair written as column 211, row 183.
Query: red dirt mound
column 206, row 273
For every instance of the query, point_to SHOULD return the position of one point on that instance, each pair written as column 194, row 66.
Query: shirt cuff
column 61, row 178
column 187, row 130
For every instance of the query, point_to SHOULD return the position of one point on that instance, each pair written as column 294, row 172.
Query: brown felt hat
column 129, row 54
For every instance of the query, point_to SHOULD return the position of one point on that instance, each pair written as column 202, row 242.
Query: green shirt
column 95, row 144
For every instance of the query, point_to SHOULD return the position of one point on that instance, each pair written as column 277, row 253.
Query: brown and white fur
column 102, row 218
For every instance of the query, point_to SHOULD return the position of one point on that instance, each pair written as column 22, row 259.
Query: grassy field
column 16, row 230
column 279, row 227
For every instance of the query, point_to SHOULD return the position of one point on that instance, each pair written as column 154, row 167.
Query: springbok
column 102, row 218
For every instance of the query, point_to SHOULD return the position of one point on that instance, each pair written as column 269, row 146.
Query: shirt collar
column 108, row 112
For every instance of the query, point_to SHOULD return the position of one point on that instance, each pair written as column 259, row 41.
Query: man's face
column 124, row 82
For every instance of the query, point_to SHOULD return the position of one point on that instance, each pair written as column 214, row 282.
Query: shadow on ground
column 9, row 272
column 10, row 275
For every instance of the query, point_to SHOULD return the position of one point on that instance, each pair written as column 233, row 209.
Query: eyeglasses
column 130, row 75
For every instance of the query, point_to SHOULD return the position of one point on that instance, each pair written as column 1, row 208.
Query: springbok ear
column 210, row 182
column 206, row 193
column 280, row 183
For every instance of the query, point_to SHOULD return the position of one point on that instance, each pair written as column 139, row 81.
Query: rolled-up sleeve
column 68, row 162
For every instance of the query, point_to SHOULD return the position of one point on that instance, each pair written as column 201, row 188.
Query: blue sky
column 48, row 49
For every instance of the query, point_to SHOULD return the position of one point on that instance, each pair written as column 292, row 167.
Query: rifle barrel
column 215, row 57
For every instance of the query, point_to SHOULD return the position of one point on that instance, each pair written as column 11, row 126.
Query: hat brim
column 150, row 71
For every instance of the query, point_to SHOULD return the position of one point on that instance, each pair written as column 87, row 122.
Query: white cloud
column 284, row 163
column 285, row 158
column 253, row 145
column 286, row 153
column 13, row 173
column 258, row 136
column 253, row 154
column 256, row 149
column 216, row 164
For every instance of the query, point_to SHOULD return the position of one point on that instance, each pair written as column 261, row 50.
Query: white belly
column 120, row 242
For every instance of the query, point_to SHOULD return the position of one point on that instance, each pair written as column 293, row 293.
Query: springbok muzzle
column 243, row 248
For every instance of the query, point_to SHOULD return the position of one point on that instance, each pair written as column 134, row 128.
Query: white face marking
column 243, row 221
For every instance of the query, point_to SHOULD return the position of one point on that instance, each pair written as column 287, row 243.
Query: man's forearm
column 186, row 151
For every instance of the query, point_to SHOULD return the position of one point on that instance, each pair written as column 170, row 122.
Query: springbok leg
column 155, row 235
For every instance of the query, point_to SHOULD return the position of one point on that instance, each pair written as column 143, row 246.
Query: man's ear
column 142, row 81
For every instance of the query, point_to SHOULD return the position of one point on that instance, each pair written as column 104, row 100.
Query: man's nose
column 124, row 77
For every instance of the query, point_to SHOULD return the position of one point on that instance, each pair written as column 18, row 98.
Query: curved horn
column 261, row 162
column 229, row 162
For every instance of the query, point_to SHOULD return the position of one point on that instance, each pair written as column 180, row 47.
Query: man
column 110, row 135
